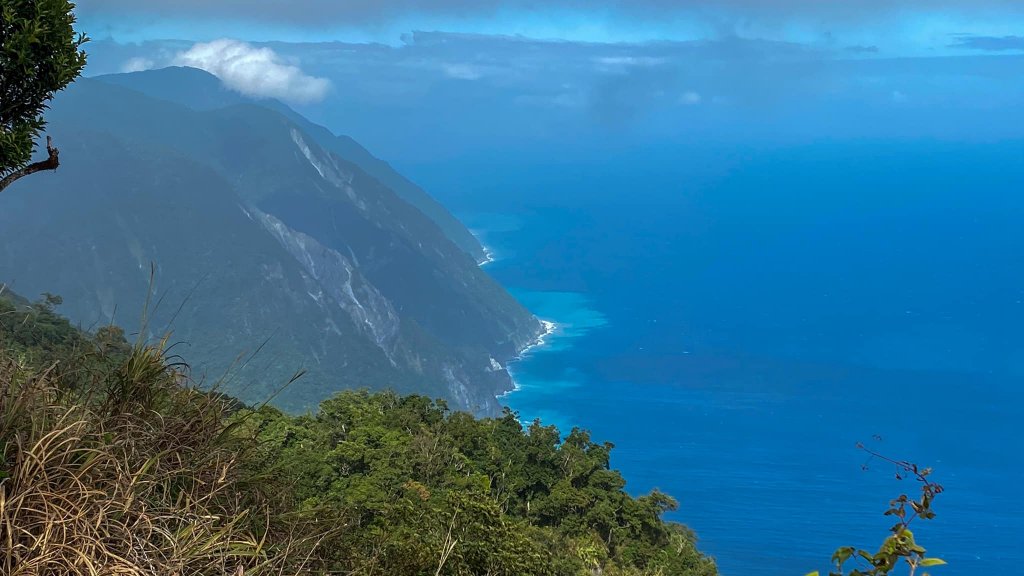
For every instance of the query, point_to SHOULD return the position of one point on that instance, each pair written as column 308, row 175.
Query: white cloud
column 137, row 65
column 690, row 99
column 639, row 61
column 462, row 71
column 626, row 64
column 253, row 71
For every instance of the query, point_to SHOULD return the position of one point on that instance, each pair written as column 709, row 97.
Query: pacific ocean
column 735, row 322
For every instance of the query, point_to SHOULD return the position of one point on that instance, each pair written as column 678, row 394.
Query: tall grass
column 139, row 474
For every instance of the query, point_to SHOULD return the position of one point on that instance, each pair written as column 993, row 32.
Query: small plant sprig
column 900, row 545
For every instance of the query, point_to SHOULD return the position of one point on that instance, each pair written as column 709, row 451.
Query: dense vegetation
column 111, row 462
column 414, row 480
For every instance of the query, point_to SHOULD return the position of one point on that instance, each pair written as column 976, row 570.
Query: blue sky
column 492, row 77
column 903, row 27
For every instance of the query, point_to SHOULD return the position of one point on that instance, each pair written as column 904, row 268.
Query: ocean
column 736, row 321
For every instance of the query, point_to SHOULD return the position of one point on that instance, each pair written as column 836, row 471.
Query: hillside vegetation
column 111, row 461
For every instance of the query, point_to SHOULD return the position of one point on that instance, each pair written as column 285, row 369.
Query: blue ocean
column 736, row 321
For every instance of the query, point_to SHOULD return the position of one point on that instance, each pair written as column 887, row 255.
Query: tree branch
column 51, row 163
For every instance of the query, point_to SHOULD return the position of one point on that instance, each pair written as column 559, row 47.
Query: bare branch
column 51, row 163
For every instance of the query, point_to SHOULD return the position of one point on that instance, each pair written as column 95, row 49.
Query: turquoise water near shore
column 539, row 395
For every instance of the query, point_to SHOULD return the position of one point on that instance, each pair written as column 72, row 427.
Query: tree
column 40, row 55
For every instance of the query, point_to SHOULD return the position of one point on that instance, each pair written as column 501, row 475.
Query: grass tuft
column 142, row 477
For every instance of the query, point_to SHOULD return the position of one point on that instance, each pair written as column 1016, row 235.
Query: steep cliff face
column 333, row 280
column 272, row 254
column 201, row 91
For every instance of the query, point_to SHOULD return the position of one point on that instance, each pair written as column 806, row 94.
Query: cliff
column 272, row 253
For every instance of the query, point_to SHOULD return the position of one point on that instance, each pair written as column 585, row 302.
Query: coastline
column 489, row 257
column 550, row 328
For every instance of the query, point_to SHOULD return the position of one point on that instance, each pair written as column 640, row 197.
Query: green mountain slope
column 262, row 240
column 201, row 91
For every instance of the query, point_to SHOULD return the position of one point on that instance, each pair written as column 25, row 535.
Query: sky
column 903, row 26
column 422, row 81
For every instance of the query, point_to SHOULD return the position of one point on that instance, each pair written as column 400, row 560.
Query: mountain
column 270, row 254
column 202, row 91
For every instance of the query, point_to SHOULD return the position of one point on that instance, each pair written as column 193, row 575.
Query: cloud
column 335, row 13
column 643, row 61
column 395, row 98
column 989, row 43
column 257, row 72
column 137, row 64
column 626, row 64
column 690, row 98
column 462, row 71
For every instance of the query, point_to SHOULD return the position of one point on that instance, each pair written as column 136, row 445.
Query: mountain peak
column 169, row 73
column 192, row 87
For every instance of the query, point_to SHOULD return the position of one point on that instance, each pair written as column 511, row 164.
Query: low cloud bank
column 256, row 72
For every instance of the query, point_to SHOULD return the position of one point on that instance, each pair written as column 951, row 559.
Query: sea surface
column 735, row 322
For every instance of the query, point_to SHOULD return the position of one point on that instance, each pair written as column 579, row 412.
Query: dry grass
column 141, row 476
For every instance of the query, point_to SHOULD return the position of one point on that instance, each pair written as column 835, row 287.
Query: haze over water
column 735, row 332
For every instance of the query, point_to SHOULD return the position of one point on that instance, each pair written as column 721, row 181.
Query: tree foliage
column 40, row 54
column 428, row 491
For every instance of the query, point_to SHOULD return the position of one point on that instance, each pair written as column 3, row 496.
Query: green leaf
column 842, row 555
column 933, row 562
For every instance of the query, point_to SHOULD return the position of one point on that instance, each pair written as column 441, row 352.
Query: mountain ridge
column 202, row 91
column 269, row 242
